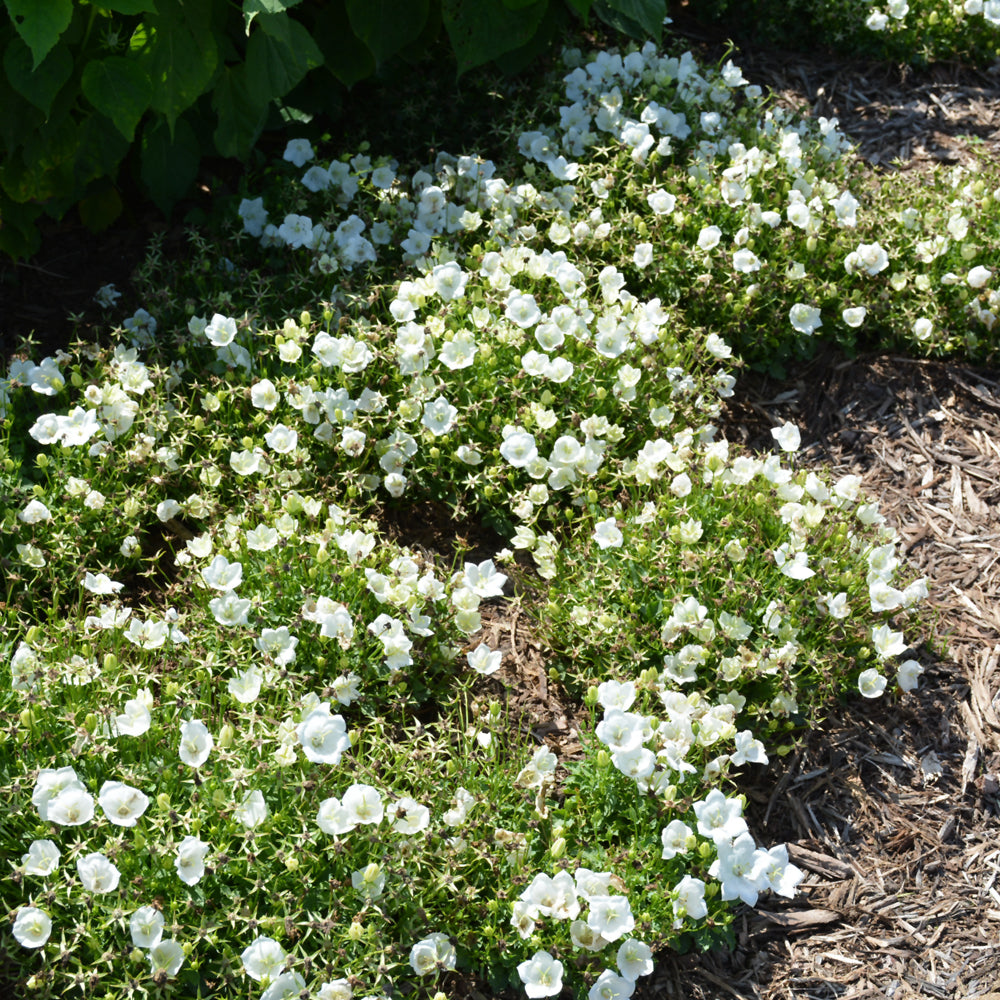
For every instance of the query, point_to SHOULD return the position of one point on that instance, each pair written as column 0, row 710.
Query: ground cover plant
column 250, row 739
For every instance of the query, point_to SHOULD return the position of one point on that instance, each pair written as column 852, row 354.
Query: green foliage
column 152, row 87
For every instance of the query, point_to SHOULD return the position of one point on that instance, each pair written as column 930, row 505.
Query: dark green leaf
column 100, row 207
column 386, row 26
column 241, row 117
column 99, row 150
column 179, row 56
column 169, row 164
column 517, row 4
column 251, row 8
column 130, row 6
column 40, row 23
column 40, row 85
column 582, row 7
column 638, row 18
column 280, row 52
column 19, row 236
column 118, row 87
column 482, row 31
column 346, row 56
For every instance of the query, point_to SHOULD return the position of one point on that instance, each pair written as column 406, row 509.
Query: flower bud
column 226, row 736
column 558, row 848
column 355, row 932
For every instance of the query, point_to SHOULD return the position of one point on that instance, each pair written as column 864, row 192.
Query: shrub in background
column 161, row 84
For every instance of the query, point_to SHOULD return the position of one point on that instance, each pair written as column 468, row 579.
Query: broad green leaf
column 251, row 8
column 169, row 163
column 19, row 236
column 639, row 18
column 241, row 117
column 40, row 23
column 118, row 87
column 40, row 85
column 179, row 56
column 582, row 7
column 100, row 148
column 386, row 26
column 517, row 4
column 346, row 56
column 482, row 31
column 279, row 54
column 130, row 7
column 100, row 207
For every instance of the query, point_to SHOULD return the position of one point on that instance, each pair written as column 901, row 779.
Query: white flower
column 32, row 927
column 739, row 867
column 610, row 986
column 854, row 316
column 886, row 642
column 745, row 261
column 432, row 953
column 166, row 957
column 805, row 318
column 323, row 736
column 869, row 257
column 230, row 609
column 411, row 817
column 299, row 152
column 190, row 860
column 281, row 439
column 661, row 202
column 42, row 858
column 634, row 959
column 871, row 683
column 264, row 395
column 720, row 818
column 146, row 927
column 908, row 675
column 541, row 975
column 709, row 237
column 97, row 873
column 71, row 807
column 363, row 805
column 287, row 986
column 607, row 534
column 34, row 512
column 101, row 584
column 788, row 437
column 976, row 278
column 122, row 804
column 196, row 743
column 252, row 810
column 439, row 416
column 610, row 916
column 484, row 660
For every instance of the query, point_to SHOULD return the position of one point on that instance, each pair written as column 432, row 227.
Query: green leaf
column 638, row 18
column 40, row 85
column 169, row 163
column 386, row 26
column 346, row 56
column 179, row 57
column 99, row 150
column 251, row 8
column 280, row 52
column 100, row 207
column 130, row 7
column 19, row 236
column 241, row 116
column 118, row 87
column 482, row 31
column 582, row 7
column 40, row 23
column 517, row 4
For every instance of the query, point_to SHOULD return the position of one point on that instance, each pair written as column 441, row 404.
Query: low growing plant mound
column 248, row 736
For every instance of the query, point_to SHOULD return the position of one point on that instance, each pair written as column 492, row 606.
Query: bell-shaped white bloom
column 871, row 683
column 720, row 818
column 740, row 868
column 97, row 873
column 71, row 807
column 32, row 927
column 221, row 574
column 252, row 810
column 190, row 860
column 908, row 675
column 196, row 743
column 263, row 959
column 122, row 804
column 167, row 957
column 409, row 817
column 484, row 660
column 433, row 953
column 146, row 927
column 287, row 986
column 689, row 900
column 541, row 975
column 610, row 986
column 42, row 858
column 323, row 736
column 634, row 959
column 610, row 916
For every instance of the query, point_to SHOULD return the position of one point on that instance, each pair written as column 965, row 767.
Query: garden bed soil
column 891, row 806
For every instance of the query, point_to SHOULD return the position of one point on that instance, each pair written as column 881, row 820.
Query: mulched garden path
column 890, row 806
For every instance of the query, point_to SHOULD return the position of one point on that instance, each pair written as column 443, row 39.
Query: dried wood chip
column 795, row 920
column 823, row 864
